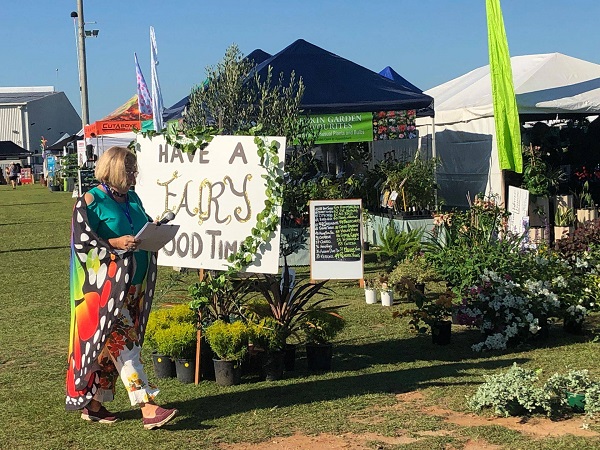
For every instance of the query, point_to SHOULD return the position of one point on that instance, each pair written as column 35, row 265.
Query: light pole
column 85, row 115
column 81, row 34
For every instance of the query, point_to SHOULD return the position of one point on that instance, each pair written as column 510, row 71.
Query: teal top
column 108, row 219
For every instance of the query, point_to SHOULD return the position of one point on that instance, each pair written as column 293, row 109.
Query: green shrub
column 267, row 334
column 510, row 393
column 397, row 245
column 177, row 341
column 168, row 324
column 320, row 327
column 228, row 340
column 416, row 269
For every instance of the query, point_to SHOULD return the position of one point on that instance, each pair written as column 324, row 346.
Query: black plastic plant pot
column 572, row 326
column 207, row 368
column 289, row 359
column 164, row 366
column 318, row 357
column 420, row 287
column 273, row 365
column 227, row 373
column 441, row 332
column 186, row 370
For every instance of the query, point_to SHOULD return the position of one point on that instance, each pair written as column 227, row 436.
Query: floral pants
column 121, row 356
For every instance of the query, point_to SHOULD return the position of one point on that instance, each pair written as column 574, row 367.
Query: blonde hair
column 111, row 167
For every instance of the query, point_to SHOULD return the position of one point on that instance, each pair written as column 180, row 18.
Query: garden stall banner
column 216, row 194
column 364, row 127
column 338, row 128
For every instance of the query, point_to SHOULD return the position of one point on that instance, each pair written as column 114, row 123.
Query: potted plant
column 386, row 293
column 179, row 341
column 320, row 327
column 268, row 338
column 215, row 297
column 288, row 303
column 159, row 335
column 395, row 245
column 540, row 179
column 564, row 222
column 414, row 181
column 573, row 318
column 511, row 393
column 435, row 313
column 570, row 389
column 371, row 290
column 412, row 273
column 587, row 209
column 68, row 171
column 229, row 341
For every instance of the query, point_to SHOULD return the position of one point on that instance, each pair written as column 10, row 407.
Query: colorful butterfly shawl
column 100, row 280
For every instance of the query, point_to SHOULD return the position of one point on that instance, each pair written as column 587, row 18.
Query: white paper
column 153, row 237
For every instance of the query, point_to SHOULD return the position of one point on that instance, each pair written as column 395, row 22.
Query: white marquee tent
column 547, row 86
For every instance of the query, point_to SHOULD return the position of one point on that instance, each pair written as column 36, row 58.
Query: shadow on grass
column 306, row 390
column 27, row 204
column 451, row 365
column 29, row 222
column 34, row 249
column 419, row 347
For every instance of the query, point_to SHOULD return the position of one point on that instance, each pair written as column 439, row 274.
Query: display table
column 375, row 225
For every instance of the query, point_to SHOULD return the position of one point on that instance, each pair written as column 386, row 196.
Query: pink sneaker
column 161, row 418
column 100, row 416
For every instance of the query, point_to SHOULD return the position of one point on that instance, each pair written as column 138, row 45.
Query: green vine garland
column 268, row 219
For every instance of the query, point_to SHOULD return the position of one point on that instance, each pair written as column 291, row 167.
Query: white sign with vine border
column 215, row 193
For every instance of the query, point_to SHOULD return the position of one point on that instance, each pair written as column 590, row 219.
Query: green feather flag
column 506, row 114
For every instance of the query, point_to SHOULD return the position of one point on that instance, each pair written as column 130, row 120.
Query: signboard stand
column 336, row 241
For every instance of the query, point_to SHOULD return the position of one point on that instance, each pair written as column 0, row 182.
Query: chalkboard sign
column 87, row 180
column 336, row 239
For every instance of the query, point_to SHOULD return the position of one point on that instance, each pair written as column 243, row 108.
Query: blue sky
column 427, row 41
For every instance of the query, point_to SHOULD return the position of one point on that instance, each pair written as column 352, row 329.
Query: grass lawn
column 396, row 388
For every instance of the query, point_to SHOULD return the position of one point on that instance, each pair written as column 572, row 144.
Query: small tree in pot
column 320, row 327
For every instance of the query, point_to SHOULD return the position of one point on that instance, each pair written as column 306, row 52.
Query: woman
column 13, row 174
column 112, row 284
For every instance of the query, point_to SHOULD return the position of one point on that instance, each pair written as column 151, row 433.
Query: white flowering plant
column 573, row 279
column 505, row 311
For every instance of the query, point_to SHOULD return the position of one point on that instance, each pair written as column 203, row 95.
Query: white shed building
column 28, row 113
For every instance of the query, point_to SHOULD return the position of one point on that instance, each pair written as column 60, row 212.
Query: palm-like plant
column 288, row 303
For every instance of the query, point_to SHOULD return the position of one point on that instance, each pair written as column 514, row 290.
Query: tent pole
column 434, row 156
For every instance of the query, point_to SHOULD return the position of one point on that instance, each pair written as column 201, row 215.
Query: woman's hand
column 128, row 243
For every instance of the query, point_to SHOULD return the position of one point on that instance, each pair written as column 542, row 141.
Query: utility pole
column 85, row 114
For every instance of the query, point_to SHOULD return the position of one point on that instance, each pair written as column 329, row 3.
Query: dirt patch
column 480, row 445
column 536, row 427
column 346, row 441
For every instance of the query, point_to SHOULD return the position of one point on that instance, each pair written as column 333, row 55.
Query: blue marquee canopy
column 333, row 84
column 336, row 85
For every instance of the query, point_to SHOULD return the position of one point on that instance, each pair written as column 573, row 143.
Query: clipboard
column 154, row 236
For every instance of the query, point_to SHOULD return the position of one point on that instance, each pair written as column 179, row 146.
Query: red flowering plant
column 586, row 174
